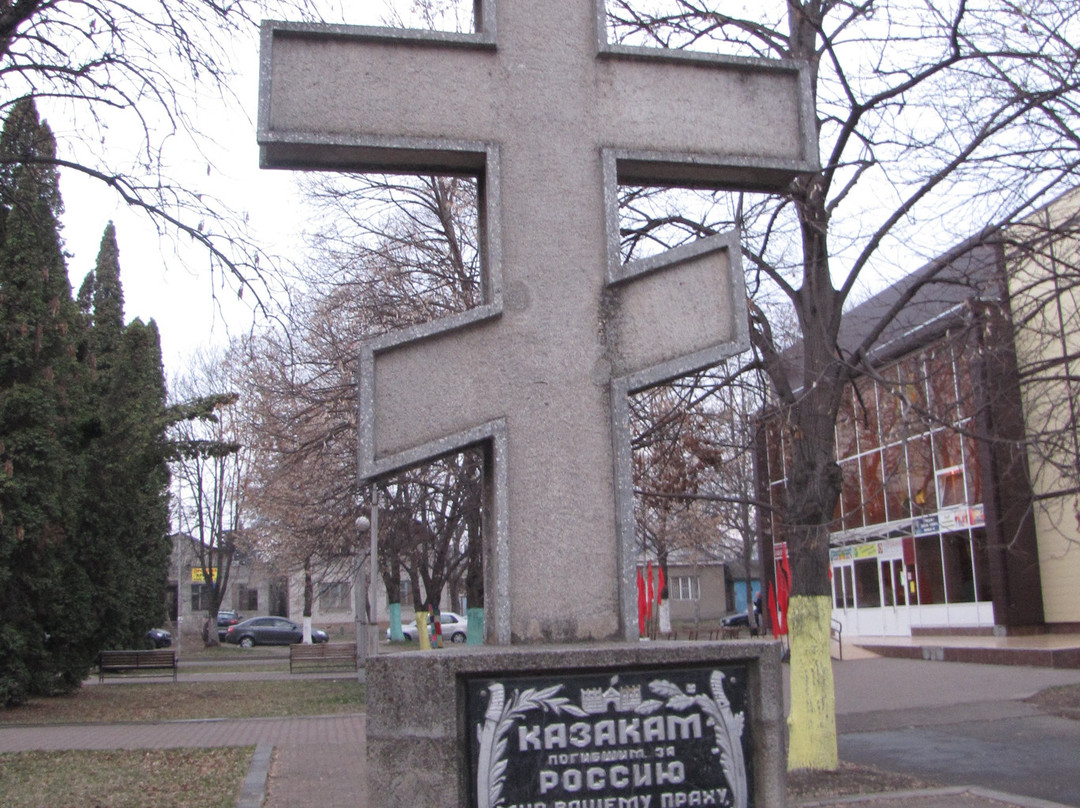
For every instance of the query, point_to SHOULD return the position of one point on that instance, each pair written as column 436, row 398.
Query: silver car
column 455, row 628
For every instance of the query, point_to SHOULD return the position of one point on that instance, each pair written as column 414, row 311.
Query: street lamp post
column 367, row 616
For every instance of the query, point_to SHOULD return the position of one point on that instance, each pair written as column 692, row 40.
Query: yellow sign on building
column 197, row 576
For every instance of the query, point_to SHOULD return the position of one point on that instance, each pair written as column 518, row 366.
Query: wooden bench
column 323, row 656
column 136, row 662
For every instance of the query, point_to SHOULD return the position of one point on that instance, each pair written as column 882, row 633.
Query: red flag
column 783, row 591
column 640, row 603
column 649, row 602
column 660, row 583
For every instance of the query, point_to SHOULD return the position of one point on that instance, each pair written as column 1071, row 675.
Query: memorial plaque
column 659, row 738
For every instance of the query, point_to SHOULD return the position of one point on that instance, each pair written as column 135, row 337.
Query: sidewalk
column 1039, row 650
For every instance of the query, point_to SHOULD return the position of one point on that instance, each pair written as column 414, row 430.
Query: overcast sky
column 192, row 308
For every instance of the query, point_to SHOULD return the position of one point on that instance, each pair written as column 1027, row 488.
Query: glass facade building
column 929, row 531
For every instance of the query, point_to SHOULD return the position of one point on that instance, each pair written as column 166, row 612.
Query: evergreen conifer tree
column 45, row 592
column 126, row 512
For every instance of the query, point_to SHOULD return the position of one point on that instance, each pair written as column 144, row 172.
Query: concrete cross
column 551, row 118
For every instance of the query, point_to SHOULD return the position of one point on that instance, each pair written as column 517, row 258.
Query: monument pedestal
column 634, row 725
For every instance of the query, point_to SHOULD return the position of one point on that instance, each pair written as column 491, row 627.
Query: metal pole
column 373, row 581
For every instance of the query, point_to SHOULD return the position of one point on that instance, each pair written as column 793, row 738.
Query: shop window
column 866, row 416
column 947, row 448
column 334, row 596
column 913, row 390
column 942, row 383
column 867, row 587
column 873, row 492
column 890, row 416
column 921, row 473
column 931, row 584
column 684, row 587
column 892, row 573
column 843, row 585
column 951, row 489
column 897, row 499
column 848, row 579
column 959, row 570
column 851, row 496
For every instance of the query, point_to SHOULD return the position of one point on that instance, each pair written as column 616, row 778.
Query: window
column 951, row 488
column 684, row 587
column 867, row 587
column 248, row 599
column 335, row 597
column 843, row 587
column 959, row 569
column 200, row 597
column 928, row 573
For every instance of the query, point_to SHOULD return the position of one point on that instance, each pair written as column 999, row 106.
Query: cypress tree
column 126, row 513
column 45, row 593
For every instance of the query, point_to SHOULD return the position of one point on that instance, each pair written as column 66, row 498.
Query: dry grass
column 849, row 779
column 1063, row 700
column 170, row 701
column 154, row 778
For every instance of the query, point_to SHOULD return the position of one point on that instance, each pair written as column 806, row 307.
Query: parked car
column 159, row 638
column 226, row 618
column 270, row 631
column 455, row 628
column 736, row 620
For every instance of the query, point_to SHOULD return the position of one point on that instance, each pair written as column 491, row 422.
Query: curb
column 253, row 791
column 946, row 795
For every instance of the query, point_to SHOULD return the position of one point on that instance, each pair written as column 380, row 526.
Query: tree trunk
column 308, row 597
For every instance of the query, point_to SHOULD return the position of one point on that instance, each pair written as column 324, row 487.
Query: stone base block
column 646, row 725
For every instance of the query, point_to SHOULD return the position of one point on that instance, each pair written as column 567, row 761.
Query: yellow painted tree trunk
column 812, row 720
column 422, row 631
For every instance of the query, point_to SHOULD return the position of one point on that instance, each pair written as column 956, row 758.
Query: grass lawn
column 168, row 701
column 154, row 778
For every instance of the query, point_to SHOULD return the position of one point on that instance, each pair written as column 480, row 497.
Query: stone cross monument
column 551, row 118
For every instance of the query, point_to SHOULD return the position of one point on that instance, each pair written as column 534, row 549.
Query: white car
column 454, row 628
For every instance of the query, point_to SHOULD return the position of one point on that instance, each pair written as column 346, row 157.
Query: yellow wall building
column 1043, row 256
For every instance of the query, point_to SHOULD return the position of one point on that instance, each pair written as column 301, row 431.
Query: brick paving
column 299, row 732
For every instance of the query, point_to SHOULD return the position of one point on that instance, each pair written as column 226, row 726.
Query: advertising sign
column 197, row 576
column 639, row 739
column 927, row 524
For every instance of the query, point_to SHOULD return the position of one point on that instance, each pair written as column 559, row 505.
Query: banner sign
column 927, row 524
column 638, row 739
column 197, row 576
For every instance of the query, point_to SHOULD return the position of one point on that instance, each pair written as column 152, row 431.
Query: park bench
column 324, row 656
column 136, row 662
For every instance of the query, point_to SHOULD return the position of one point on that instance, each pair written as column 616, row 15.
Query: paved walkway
column 319, row 762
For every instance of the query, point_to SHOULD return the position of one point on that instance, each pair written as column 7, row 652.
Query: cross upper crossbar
column 550, row 118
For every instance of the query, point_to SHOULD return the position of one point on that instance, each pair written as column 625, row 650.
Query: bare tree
column 935, row 123
column 122, row 84
column 208, row 467
column 386, row 252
